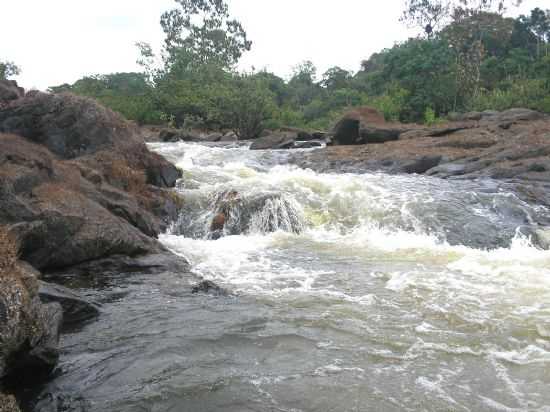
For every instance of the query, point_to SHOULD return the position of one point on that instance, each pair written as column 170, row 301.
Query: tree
column 8, row 69
column 248, row 105
column 427, row 14
column 202, row 32
column 336, row 78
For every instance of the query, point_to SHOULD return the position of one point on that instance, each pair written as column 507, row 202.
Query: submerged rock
column 210, row 288
column 76, row 308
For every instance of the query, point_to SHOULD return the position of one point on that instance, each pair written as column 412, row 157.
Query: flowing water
column 348, row 292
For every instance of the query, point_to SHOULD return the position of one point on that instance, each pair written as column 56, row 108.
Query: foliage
column 472, row 57
column 248, row 105
column 8, row 69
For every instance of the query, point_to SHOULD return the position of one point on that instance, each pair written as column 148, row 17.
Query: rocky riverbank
column 511, row 146
column 79, row 193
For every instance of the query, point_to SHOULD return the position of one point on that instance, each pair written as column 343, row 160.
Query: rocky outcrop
column 364, row 125
column 78, row 183
column 512, row 145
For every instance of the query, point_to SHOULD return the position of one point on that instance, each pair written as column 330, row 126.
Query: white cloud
column 59, row 41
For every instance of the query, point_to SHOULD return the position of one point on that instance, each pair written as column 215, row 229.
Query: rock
column 437, row 131
column 213, row 137
column 210, row 288
column 229, row 137
column 273, row 142
column 101, row 195
column 60, row 402
column 512, row 116
column 9, row 90
column 307, row 145
column 29, row 330
column 421, row 165
column 8, row 403
column 362, row 126
column 541, row 238
column 76, row 308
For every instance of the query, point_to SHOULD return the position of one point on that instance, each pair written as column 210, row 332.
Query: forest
column 468, row 57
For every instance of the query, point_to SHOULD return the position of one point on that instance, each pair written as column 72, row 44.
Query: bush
column 532, row 93
column 247, row 107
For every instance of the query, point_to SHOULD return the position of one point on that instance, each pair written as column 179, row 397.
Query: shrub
column 9, row 250
column 531, row 93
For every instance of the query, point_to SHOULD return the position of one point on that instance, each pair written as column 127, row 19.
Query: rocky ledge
column 78, row 188
column 512, row 146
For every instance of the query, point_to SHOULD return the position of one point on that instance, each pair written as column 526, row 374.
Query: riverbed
column 346, row 292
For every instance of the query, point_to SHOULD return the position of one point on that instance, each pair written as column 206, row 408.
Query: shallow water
column 377, row 292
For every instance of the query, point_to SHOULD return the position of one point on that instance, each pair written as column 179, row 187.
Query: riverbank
column 78, row 187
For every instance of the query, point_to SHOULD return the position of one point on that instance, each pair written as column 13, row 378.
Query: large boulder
column 363, row 126
column 71, row 127
column 61, row 217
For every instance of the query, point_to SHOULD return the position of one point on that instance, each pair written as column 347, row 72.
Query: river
column 347, row 292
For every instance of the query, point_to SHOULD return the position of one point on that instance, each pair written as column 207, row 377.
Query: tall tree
column 202, row 32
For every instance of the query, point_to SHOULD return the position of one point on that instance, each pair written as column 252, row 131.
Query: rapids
column 348, row 292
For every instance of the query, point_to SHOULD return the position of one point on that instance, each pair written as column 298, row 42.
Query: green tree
column 8, row 69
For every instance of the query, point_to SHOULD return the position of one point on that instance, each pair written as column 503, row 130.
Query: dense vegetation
column 469, row 57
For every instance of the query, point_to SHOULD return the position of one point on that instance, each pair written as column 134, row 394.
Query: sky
column 60, row 41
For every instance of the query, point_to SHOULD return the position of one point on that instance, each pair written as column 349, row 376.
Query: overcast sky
column 59, row 41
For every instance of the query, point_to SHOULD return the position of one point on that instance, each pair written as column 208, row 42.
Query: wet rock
column 421, row 165
column 210, row 288
column 273, row 142
column 541, row 238
column 307, row 145
column 60, row 402
column 76, row 308
column 29, row 329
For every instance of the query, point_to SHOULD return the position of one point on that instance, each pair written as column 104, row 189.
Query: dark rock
column 363, row 126
column 307, row 145
column 60, row 402
column 210, row 288
column 273, row 142
column 421, row 165
column 76, row 308
column 9, row 90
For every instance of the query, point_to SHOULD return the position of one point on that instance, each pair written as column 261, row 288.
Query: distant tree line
column 468, row 57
